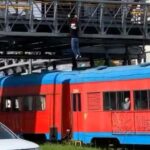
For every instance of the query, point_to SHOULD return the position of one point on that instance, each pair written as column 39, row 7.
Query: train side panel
column 33, row 121
column 54, row 119
column 93, row 122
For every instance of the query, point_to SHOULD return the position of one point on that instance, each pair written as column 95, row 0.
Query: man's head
column 126, row 99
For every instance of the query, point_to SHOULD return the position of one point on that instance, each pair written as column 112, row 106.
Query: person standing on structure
column 73, row 23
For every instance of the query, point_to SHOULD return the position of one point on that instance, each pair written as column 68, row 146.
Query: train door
column 76, row 109
column 66, row 120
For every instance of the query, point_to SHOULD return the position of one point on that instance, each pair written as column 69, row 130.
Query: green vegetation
column 48, row 146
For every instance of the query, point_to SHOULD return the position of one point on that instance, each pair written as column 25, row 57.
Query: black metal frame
column 97, row 18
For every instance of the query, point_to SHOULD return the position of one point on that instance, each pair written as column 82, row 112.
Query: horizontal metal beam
column 113, row 2
column 64, row 35
column 33, row 34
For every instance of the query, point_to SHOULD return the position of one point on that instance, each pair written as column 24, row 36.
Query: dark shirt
column 74, row 33
column 74, row 28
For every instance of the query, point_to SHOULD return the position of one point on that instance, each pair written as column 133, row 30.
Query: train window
column 109, row 101
column 39, row 103
column 76, row 102
column 121, row 96
column 141, row 99
column 23, row 103
column 6, row 104
column 114, row 100
column 27, row 103
column 17, row 103
column 79, row 102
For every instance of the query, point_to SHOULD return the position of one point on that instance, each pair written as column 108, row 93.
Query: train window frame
column 4, row 104
column 140, row 104
column 74, row 107
column 110, row 105
column 76, row 102
column 27, row 103
column 19, row 107
column 42, row 102
column 34, row 108
column 21, row 103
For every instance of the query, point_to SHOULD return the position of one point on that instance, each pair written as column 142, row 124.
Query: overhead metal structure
column 40, row 29
column 97, row 18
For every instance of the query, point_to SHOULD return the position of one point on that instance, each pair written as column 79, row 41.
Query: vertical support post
column 107, row 60
column 27, row 12
column 74, row 64
column 44, row 5
column 16, row 8
column 127, row 60
column 143, row 52
column 145, row 29
column 78, row 12
column 6, row 16
column 54, row 65
column 107, row 57
column 101, row 20
column 55, row 16
column 78, row 9
column 145, row 21
column 30, row 66
column 124, row 15
column 139, row 58
column 92, row 62
column 31, row 16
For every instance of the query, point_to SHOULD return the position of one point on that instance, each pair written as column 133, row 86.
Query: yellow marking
column 85, row 116
column 24, row 7
column 75, row 91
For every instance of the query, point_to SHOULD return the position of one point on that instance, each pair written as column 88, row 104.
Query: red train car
column 98, row 102
column 101, row 104
column 36, row 103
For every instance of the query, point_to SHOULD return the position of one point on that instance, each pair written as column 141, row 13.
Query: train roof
column 104, row 73
column 54, row 77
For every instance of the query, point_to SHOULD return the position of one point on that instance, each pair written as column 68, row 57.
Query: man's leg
column 73, row 46
column 77, row 47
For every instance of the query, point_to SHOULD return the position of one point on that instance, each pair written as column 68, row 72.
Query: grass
column 49, row 146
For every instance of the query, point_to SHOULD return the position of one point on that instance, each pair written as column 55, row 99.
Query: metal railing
column 97, row 18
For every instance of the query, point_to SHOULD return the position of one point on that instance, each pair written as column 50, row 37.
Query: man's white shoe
column 77, row 56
